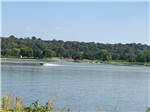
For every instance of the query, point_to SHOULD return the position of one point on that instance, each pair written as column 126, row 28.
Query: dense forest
column 37, row 48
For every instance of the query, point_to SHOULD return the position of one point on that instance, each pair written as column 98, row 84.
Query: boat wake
column 50, row 64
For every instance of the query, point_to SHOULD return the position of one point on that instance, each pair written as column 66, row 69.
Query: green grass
column 53, row 59
column 87, row 60
column 16, row 58
column 116, row 62
column 123, row 62
column 56, row 59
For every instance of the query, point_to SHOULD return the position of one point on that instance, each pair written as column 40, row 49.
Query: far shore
column 57, row 59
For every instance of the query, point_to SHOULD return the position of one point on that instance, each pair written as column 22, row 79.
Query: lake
column 81, row 87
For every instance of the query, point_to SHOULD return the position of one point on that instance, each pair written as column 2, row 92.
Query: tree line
column 37, row 48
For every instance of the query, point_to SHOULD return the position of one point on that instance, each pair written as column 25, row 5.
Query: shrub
column 34, row 107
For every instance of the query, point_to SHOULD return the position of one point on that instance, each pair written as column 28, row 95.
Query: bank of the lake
column 53, row 59
column 113, row 62
column 57, row 59
column 34, row 107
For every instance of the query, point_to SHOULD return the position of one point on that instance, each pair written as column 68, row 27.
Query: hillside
column 37, row 48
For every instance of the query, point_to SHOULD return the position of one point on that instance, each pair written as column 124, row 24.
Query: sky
column 104, row 22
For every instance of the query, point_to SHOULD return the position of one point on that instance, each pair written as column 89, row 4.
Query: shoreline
column 57, row 59
column 115, row 62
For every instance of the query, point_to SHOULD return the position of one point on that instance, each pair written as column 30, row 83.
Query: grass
column 6, row 103
column 56, row 59
column 116, row 62
column 34, row 107
column 87, row 61
column 148, row 109
column 123, row 62
column 53, row 59
column 16, row 58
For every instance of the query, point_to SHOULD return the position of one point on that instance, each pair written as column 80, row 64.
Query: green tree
column 26, row 52
column 104, row 55
column 15, row 52
column 37, row 53
column 6, row 52
column 49, row 53
column 38, row 48
column 140, row 56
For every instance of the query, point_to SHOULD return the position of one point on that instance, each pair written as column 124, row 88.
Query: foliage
column 18, row 106
column 148, row 109
column 34, row 107
column 6, row 103
column 37, row 48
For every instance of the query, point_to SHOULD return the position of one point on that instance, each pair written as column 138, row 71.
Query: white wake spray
column 50, row 64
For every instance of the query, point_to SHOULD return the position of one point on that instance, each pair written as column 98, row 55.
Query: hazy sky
column 107, row 22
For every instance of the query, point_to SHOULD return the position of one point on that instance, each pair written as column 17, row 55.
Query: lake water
column 81, row 87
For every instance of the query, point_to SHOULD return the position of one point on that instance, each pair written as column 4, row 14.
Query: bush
column 148, row 109
column 34, row 107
